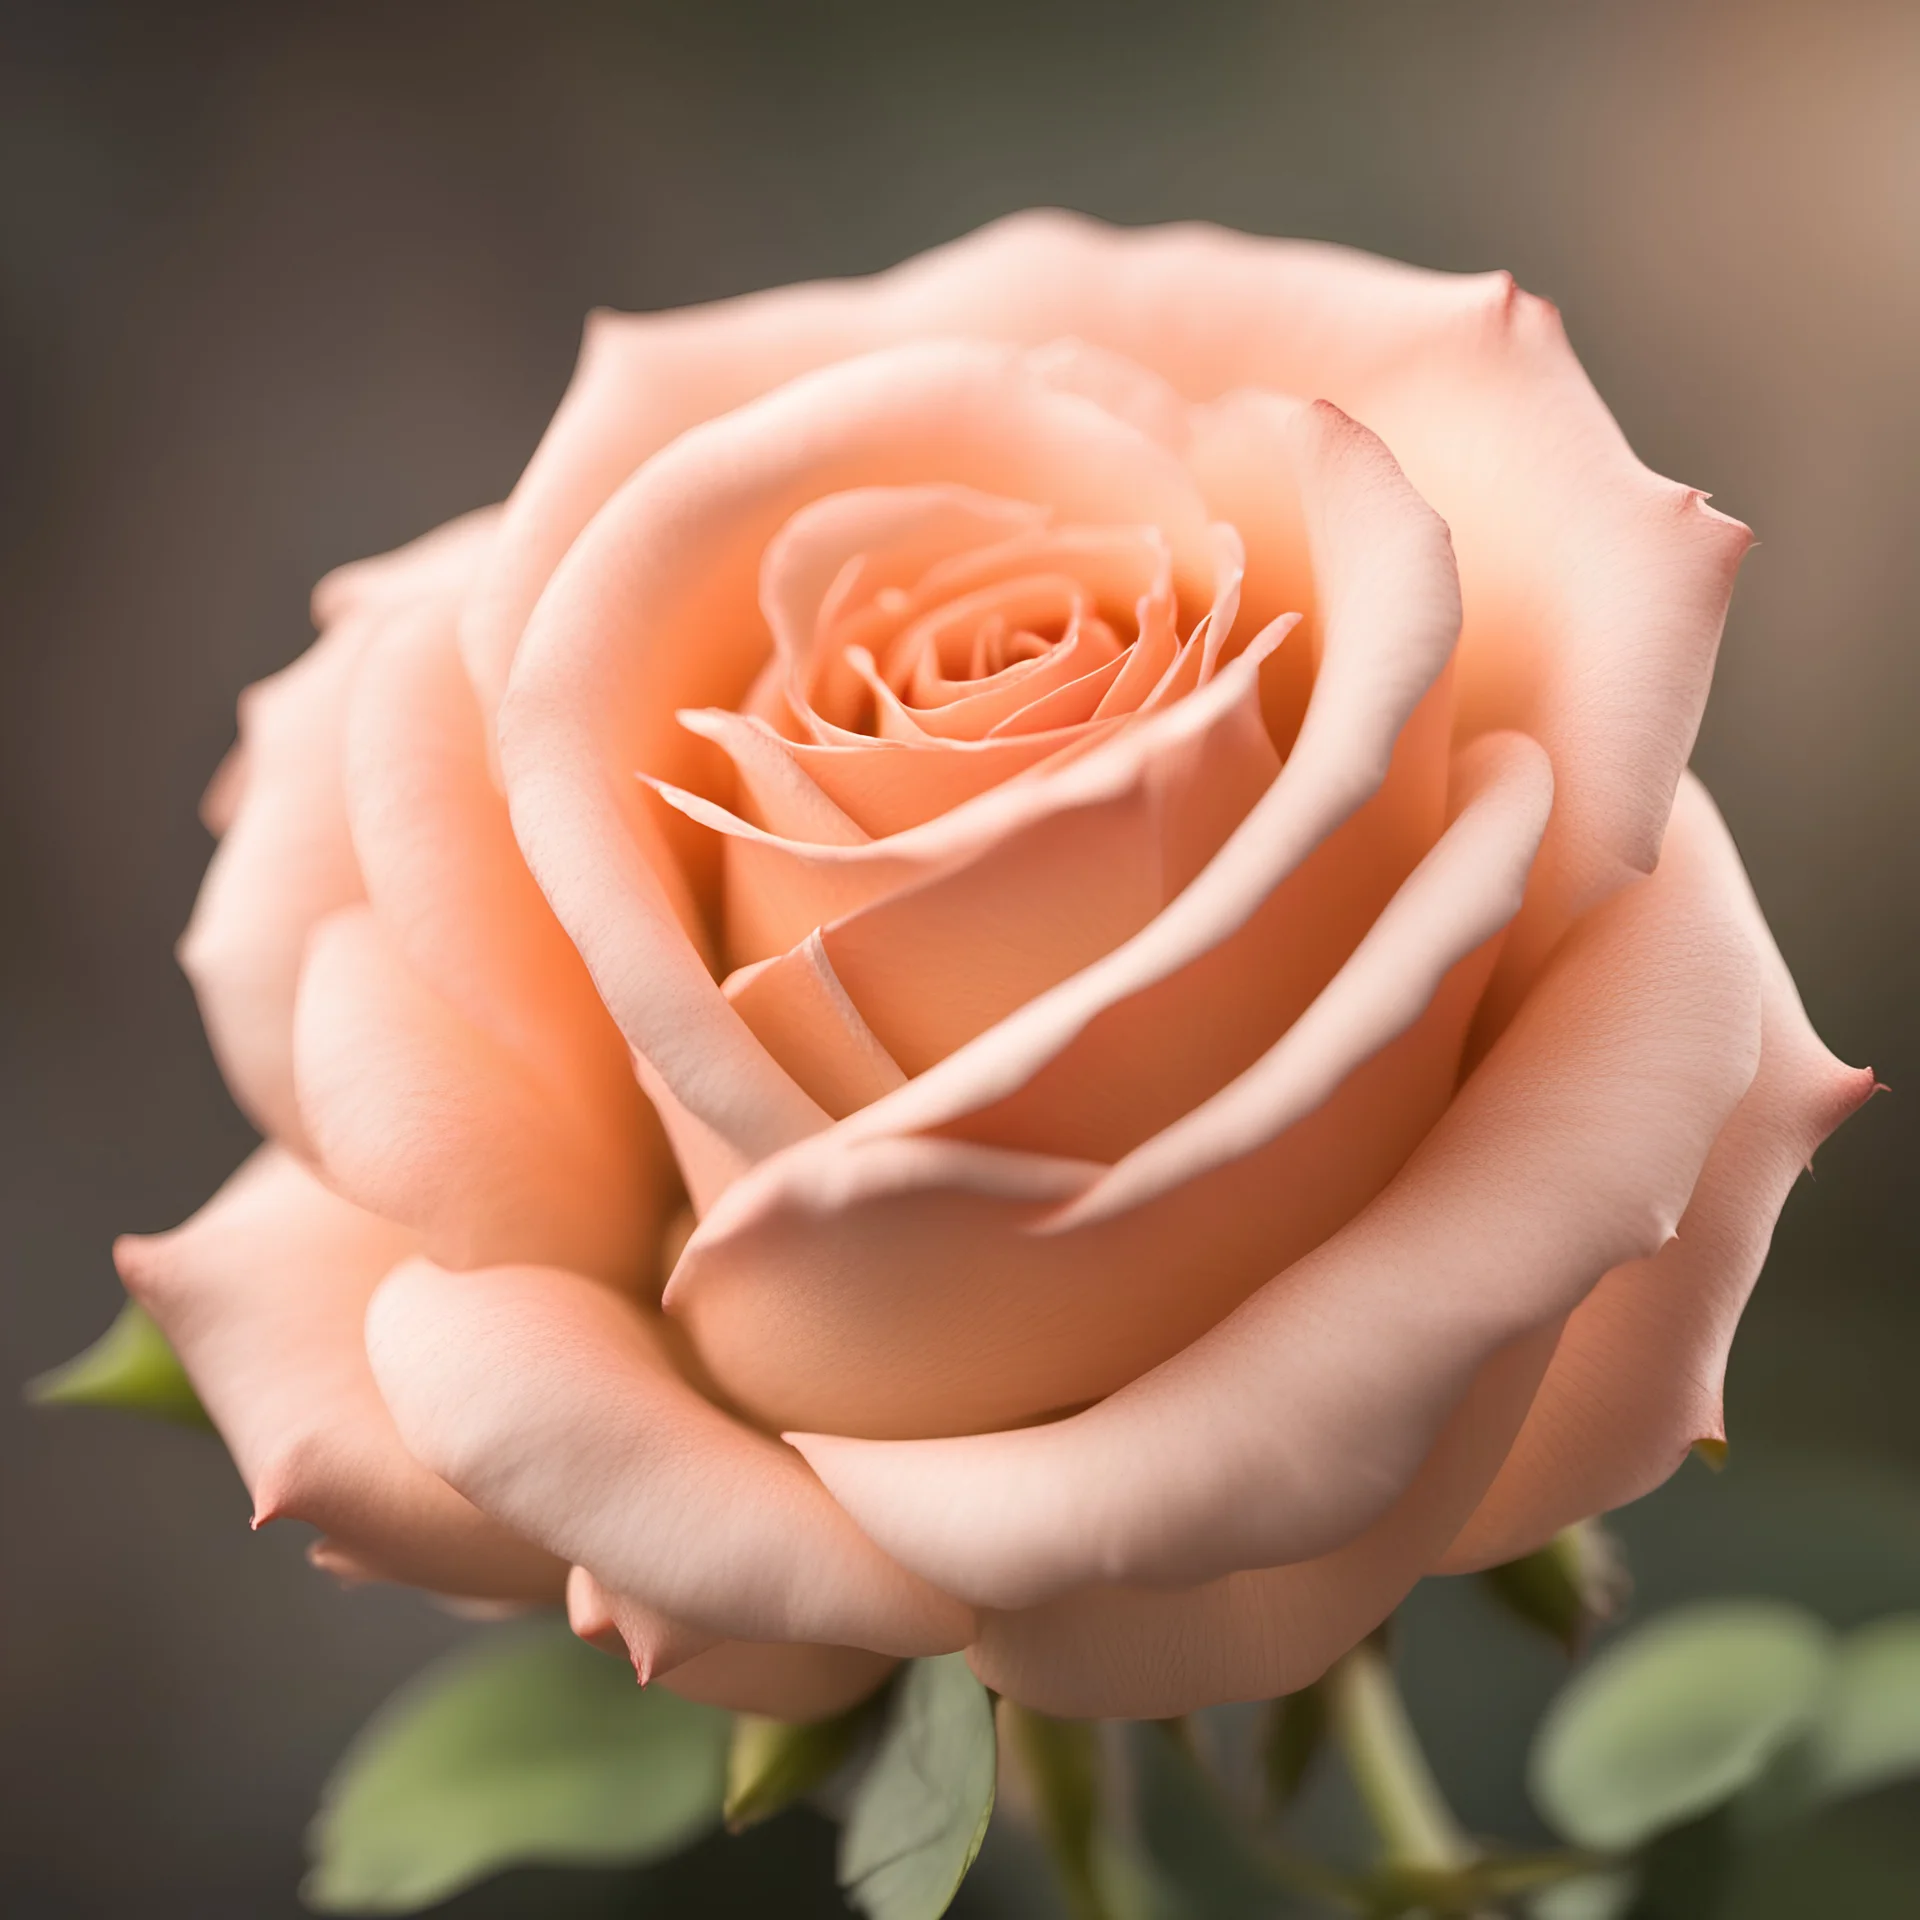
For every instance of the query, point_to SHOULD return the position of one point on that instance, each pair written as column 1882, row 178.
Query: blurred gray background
column 281, row 286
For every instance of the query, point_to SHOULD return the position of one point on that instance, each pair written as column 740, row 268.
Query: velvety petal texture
column 1575, row 1146
column 1021, row 960
column 1637, row 1377
column 552, row 1402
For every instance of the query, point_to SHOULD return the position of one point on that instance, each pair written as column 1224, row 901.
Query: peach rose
column 1109, row 811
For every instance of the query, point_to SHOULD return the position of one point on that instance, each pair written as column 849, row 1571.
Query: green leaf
column 1677, row 1718
column 524, row 1747
column 130, row 1366
column 772, row 1763
column 921, row 1809
column 1596, row 1896
column 1868, row 1733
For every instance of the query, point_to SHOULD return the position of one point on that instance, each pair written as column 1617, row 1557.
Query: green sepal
column 523, row 1747
column 1575, row 1583
column 920, row 1810
column 773, row 1763
column 130, row 1367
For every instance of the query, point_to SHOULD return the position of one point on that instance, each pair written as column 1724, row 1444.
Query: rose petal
column 1637, row 1378
column 1386, row 581
column 262, row 1293
column 1594, row 590
column 1461, row 896
column 887, row 788
column 777, row 792
column 420, row 1116
column 287, row 858
column 653, row 612
column 933, row 966
column 892, row 535
column 438, row 566
column 1128, row 1653
column 285, row 863
column 446, row 877
column 548, row 1398
column 938, row 933
column 785, row 1681
column 1279, row 916
column 1574, row 1147
column 654, row 1642
column 1376, row 731
column 800, row 1013
column 642, row 381
column 889, row 1288
column 794, row 862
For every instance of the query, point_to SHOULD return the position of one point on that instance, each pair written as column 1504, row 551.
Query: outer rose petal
column 1574, row 1146
column 285, row 863
column 654, row 610
column 549, row 1399
column 1637, row 1377
column 420, row 1116
column 438, row 566
column 447, row 878
column 789, row 1682
column 287, row 859
column 1126, row 1653
column 513, row 1040
column 784, row 1680
column 262, row 1293
column 654, row 1642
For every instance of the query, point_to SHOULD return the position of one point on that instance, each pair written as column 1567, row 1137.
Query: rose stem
column 1403, row 1799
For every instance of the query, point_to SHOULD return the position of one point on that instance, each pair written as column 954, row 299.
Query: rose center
column 1002, row 633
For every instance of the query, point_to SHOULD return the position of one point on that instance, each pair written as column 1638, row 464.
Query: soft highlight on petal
column 551, row 1403
column 420, row 1116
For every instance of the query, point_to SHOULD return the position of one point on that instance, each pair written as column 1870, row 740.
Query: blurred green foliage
column 525, row 1746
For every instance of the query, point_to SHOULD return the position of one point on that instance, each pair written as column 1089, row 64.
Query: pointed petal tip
column 327, row 1556
column 136, row 1259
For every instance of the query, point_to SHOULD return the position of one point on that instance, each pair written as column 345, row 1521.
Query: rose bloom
column 1022, row 960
